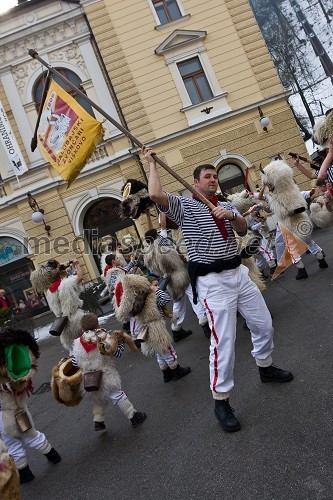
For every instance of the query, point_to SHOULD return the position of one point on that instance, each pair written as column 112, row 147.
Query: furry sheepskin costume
column 323, row 131
column 93, row 360
column 286, row 200
column 135, row 199
column 134, row 298
column 243, row 201
column 19, row 352
column 166, row 262
column 9, row 478
column 64, row 300
column 319, row 213
column 66, row 383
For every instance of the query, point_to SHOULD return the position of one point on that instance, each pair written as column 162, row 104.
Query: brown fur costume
column 134, row 298
column 166, row 262
column 9, row 478
column 65, row 383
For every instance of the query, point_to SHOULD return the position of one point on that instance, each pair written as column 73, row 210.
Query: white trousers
column 223, row 294
column 179, row 310
column 99, row 408
column 33, row 439
column 265, row 254
column 168, row 358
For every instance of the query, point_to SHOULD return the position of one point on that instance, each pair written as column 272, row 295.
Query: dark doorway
column 102, row 227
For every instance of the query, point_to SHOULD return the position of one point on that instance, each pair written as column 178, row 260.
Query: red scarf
column 88, row 346
column 107, row 267
column 55, row 285
column 219, row 222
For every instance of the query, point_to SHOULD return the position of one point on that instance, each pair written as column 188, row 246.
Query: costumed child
column 140, row 301
column 93, row 352
column 63, row 296
column 19, row 352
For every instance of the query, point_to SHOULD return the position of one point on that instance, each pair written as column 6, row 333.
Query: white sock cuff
column 264, row 363
column 221, row 395
column 21, row 463
column 127, row 408
column 45, row 448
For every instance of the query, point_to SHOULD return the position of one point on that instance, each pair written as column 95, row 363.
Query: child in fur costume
column 93, row 352
column 63, row 296
column 139, row 298
column 18, row 363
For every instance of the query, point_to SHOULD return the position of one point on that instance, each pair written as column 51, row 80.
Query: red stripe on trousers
column 171, row 351
column 216, row 373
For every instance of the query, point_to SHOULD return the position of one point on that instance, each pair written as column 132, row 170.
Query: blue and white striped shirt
column 202, row 237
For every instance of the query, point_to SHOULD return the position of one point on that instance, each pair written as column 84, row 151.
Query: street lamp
column 264, row 120
column 37, row 213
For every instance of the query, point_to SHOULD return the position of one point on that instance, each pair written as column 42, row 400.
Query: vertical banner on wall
column 10, row 145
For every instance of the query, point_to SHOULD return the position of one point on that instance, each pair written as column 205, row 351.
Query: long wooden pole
column 166, row 167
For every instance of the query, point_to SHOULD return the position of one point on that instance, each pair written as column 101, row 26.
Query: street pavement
column 283, row 451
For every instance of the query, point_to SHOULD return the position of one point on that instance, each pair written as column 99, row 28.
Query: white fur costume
column 286, row 200
column 243, row 201
column 65, row 301
column 319, row 213
column 110, row 387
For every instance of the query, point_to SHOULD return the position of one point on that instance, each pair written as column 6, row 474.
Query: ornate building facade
column 183, row 78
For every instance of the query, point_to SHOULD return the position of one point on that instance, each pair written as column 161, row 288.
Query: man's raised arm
column 155, row 190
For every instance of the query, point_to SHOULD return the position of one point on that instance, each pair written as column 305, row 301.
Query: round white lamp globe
column 37, row 216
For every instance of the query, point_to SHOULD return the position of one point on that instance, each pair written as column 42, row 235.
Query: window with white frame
column 167, row 10
column 195, row 80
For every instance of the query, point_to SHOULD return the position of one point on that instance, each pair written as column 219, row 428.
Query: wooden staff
column 166, row 167
column 313, row 163
column 33, row 144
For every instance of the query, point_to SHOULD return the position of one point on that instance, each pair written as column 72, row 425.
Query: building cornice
column 189, row 130
column 14, row 50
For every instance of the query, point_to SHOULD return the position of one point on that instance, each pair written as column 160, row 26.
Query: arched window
column 231, row 178
column 72, row 77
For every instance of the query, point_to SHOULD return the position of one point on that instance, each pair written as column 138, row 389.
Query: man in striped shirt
column 220, row 282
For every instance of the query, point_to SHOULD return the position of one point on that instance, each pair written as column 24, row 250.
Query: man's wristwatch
column 234, row 215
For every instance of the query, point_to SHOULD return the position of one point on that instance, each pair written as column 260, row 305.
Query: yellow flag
column 294, row 248
column 67, row 135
